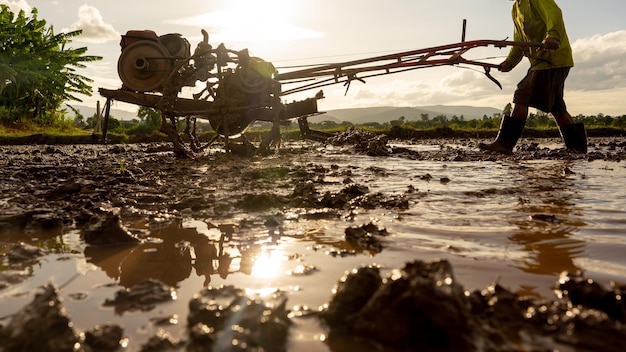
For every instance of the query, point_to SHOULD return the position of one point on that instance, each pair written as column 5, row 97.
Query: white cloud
column 599, row 62
column 16, row 6
column 95, row 30
column 457, row 87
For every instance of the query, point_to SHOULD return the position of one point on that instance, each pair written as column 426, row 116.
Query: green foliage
column 149, row 117
column 399, row 122
column 536, row 121
column 540, row 120
column 508, row 109
column 114, row 125
column 37, row 69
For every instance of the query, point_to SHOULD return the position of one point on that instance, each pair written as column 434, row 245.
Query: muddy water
column 518, row 221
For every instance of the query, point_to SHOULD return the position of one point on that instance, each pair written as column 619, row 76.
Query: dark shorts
column 543, row 90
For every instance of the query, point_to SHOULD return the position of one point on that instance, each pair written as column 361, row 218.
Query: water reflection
column 267, row 265
column 549, row 200
column 171, row 254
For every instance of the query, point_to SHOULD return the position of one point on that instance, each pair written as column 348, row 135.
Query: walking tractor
column 231, row 89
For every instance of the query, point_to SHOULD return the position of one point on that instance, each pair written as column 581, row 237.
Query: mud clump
column 349, row 197
column 364, row 142
column 32, row 222
column 422, row 308
column 162, row 341
column 43, row 325
column 104, row 338
column 342, row 198
column 367, row 236
column 107, row 229
column 225, row 318
column 260, row 202
column 143, row 296
column 582, row 291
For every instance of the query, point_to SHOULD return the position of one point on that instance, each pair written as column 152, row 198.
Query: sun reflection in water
column 268, row 264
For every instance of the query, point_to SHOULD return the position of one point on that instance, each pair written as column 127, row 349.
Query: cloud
column 599, row 62
column 398, row 92
column 95, row 30
column 16, row 6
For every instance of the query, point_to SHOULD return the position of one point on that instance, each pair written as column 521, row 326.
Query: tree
column 440, row 120
column 488, row 124
column 37, row 69
column 150, row 117
column 539, row 120
column 508, row 109
column 619, row 122
column 399, row 122
column 79, row 119
column 113, row 122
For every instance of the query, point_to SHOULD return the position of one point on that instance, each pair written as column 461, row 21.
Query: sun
column 254, row 21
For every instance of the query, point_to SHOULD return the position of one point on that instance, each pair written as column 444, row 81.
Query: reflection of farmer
column 547, row 233
column 551, row 248
column 210, row 260
column 542, row 88
column 205, row 254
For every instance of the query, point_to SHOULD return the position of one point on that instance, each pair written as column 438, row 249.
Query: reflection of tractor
column 240, row 89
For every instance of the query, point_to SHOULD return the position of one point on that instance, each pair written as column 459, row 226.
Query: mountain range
column 380, row 114
column 384, row 114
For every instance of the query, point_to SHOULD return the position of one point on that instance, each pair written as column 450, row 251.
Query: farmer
column 539, row 21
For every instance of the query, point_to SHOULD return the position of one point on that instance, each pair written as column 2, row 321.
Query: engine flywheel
column 144, row 65
column 236, row 125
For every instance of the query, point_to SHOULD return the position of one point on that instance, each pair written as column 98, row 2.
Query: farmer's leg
column 512, row 126
column 520, row 111
column 574, row 134
column 510, row 131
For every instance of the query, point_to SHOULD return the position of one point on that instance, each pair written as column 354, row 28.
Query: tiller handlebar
column 346, row 72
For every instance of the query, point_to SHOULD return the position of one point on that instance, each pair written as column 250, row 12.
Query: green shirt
column 536, row 20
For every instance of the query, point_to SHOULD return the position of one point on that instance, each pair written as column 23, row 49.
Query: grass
column 22, row 133
column 20, row 129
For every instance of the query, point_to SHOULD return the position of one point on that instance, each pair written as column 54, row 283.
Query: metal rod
column 464, row 28
column 338, row 68
column 107, row 112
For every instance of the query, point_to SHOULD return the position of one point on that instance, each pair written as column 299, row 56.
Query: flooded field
column 295, row 221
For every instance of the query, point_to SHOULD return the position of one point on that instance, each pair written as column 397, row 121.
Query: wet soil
column 99, row 203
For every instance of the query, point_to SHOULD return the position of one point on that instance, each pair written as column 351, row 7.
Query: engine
column 147, row 60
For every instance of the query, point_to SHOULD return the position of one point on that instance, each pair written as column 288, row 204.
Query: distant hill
column 384, row 114
column 380, row 114
column 88, row 111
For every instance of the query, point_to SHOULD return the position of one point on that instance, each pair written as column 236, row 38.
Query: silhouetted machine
column 231, row 89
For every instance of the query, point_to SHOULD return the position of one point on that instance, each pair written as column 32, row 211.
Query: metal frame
column 231, row 103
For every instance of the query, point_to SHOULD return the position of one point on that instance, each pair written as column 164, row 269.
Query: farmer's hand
column 551, row 44
column 505, row 66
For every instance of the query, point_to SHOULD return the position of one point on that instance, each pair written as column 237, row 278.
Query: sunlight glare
column 262, row 292
column 251, row 21
column 267, row 265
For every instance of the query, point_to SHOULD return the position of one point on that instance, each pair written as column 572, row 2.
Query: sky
column 298, row 32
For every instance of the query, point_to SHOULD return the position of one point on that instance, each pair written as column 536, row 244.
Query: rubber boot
column 510, row 131
column 575, row 137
